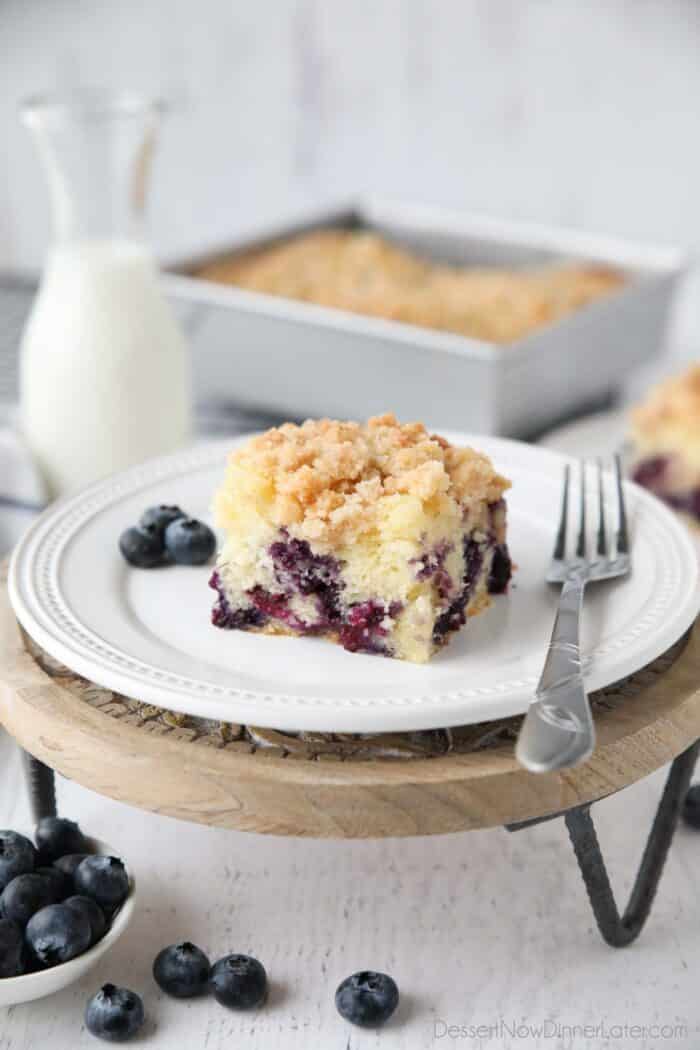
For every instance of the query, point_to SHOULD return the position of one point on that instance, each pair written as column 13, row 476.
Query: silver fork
column 558, row 730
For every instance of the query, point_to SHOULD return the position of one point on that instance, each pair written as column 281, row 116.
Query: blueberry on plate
column 17, row 856
column 25, row 896
column 114, row 1014
column 56, row 836
column 93, row 913
column 691, row 807
column 366, row 998
column 182, row 970
column 189, row 542
column 56, row 934
column 239, row 981
column 11, row 949
column 160, row 517
column 143, row 548
column 104, row 879
column 61, row 883
column 68, row 863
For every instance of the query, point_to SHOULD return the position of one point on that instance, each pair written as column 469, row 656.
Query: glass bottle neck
column 96, row 152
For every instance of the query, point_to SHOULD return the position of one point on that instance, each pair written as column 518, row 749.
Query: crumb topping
column 672, row 408
column 359, row 271
column 334, row 476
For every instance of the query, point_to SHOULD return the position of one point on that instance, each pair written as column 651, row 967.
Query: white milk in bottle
column 104, row 375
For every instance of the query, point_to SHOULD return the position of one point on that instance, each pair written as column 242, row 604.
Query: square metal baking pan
column 298, row 359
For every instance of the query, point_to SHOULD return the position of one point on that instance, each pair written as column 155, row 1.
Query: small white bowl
column 38, row 985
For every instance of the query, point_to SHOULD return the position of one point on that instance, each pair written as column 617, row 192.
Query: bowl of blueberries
column 65, row 899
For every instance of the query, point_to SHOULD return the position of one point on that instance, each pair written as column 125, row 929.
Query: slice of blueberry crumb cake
column 380, row 536
column 666, row 441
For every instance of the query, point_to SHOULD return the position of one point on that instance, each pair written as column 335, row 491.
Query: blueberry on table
column 56, row 934
column 114, row 1014
column 11, row 949
column 25, row 896
column 182, row 970
column 56, row 836
column 239, row 981
column 93, row 913
column 691, row 807
column 17, row 856
column 367, row 999
column 160, row 516
column 189, row 542
column 68, row 863
column 143, row 548
column 104, row 879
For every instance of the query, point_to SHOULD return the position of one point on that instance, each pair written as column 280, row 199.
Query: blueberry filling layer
column 363, row 626
column 652, row 474
column 431, row 566
column 366, row 627
column 298, row 569
column 501, row 570
column 223, row 615
column 455, row 616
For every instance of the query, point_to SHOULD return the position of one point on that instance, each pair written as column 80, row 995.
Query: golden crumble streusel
column 361, row 272
column 332, row 477
column 674, row 403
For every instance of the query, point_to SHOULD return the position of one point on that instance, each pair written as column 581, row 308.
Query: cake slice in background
column 381, row 536
column 666, row 442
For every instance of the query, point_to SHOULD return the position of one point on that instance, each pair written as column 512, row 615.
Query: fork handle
column 558, row 729
column 562, row 664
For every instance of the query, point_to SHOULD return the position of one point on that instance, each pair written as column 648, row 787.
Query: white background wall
column 584, row 114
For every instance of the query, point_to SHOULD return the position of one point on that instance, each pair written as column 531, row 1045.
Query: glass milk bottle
column 104, row 375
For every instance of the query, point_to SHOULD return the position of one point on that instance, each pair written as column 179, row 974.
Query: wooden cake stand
column 357, row 786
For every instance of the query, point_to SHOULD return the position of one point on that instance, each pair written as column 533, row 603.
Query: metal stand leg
column 617, row 930
column 42, row 789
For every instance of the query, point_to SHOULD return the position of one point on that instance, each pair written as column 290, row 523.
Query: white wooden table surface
column 483, row 928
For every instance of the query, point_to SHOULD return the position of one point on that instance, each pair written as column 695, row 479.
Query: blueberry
column 239, row 981
column 114, row 1014
column 17, row 856
column 61, row 884
column 182, row 970
column 26, row 895
column 56, row 934
column 68, row 863
column 104, row 879
column 55, row 836
column 190, row 542
column 691, row 807
column 143, row 548
column 11, row 949
column 160, row 516
column 93, row 913
column 366, row 998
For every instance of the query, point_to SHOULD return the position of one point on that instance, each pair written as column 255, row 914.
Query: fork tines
column 603, row 547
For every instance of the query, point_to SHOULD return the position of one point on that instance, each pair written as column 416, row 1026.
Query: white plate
column 600, row 434
column 147, row 633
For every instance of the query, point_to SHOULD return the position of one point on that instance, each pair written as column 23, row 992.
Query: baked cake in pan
column 363, row 273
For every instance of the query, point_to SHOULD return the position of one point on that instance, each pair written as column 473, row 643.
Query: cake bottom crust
column 275, row 627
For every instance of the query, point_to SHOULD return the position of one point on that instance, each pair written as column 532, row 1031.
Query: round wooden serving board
column 335, row 786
